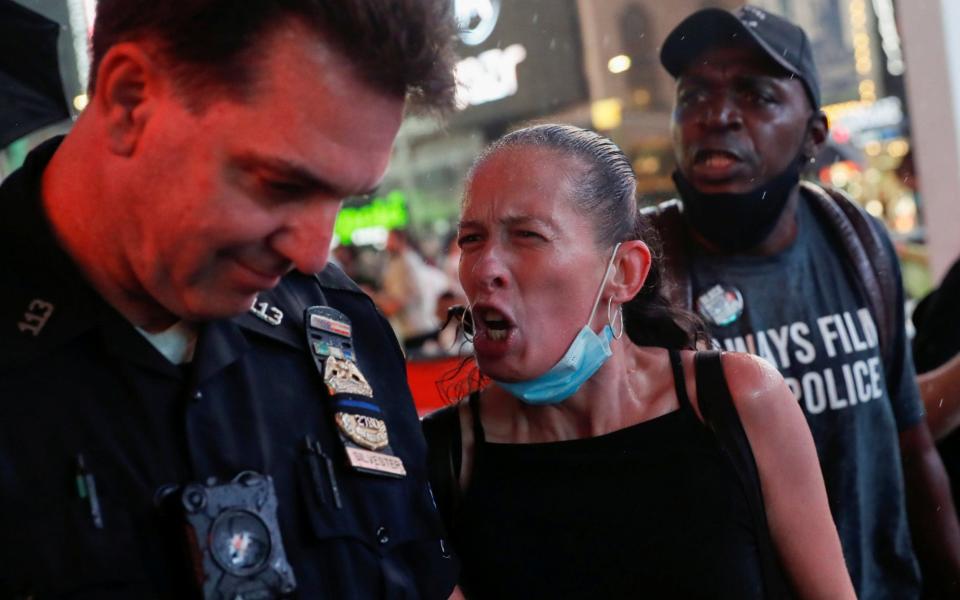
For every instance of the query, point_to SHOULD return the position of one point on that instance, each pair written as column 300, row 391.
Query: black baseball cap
column 778, row 38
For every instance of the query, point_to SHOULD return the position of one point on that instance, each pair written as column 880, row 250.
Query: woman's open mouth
column 495, row 323
column 494, row 331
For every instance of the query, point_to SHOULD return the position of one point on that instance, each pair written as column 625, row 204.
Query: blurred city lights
column 861, row 49
column 646, row 165
column 904, row 214
column 890, row 38
column 80, row 14
column 839, row 177
column 619, row 63
column 641, row 97
column 606, row 114
column 489, row 76
column 898, row 148
column 874, row 207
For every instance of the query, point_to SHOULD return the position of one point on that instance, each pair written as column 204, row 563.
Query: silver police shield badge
column 363, row 430
column 343, row 377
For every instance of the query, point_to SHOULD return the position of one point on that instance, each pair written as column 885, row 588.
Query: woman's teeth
column 497, row 324
column 493, row 315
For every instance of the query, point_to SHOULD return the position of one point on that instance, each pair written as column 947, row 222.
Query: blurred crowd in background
column 593, row 64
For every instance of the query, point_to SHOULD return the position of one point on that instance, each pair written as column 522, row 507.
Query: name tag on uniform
column 375, row 462
column 360, row 420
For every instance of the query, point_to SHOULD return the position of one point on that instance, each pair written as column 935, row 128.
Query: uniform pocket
column 380, row 512
column 64, row 553
column 384, row 523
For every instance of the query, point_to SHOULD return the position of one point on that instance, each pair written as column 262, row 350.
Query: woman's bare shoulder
column 750, row 377
column 760, row 394
column 755, row 385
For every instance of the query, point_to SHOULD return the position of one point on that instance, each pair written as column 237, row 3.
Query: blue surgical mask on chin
column 583, row 358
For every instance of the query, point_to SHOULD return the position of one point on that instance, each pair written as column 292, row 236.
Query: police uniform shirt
column 79, row 383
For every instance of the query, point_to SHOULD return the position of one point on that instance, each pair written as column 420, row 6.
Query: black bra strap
column 478, row 437
column 679, row 379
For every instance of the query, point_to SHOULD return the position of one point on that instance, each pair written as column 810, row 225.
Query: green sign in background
column 389, row 212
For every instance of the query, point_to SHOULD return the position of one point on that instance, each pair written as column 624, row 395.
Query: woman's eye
column 527, row 234
column 467, row 239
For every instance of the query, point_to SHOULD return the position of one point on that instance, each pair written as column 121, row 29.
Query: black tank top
column 654, row 510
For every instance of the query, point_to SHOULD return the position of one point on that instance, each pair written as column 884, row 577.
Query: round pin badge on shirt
column 721, row 305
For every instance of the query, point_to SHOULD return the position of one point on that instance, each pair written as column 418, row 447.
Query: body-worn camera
column 234, row 538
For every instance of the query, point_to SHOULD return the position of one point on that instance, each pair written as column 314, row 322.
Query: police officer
column 186, row 407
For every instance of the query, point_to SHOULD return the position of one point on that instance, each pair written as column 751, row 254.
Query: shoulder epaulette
column 36, row 317
column 333, row 278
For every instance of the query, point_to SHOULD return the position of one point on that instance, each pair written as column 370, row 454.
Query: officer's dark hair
column 400, row 47
column 605, row 191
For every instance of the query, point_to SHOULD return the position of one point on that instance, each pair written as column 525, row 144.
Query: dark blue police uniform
column 76, row 379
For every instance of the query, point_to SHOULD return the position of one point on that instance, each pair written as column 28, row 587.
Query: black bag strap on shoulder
column 866, row 253
column 667, row 219
column 721, row 417
column 441, row 428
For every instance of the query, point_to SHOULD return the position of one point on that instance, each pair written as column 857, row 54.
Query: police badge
column 361, row 422
column 343, row 377
column 369, row 432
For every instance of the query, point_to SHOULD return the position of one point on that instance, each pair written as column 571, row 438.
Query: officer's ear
column 128, row 83
column 817, row 133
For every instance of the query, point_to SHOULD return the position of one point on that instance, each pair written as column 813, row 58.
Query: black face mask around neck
column 737, row 222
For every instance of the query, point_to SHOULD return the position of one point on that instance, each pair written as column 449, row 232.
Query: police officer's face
column 530, row 265
column 738, row 120
column 235, row 197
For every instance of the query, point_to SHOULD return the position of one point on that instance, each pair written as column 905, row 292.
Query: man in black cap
column 192, row 402
column 802, row 277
